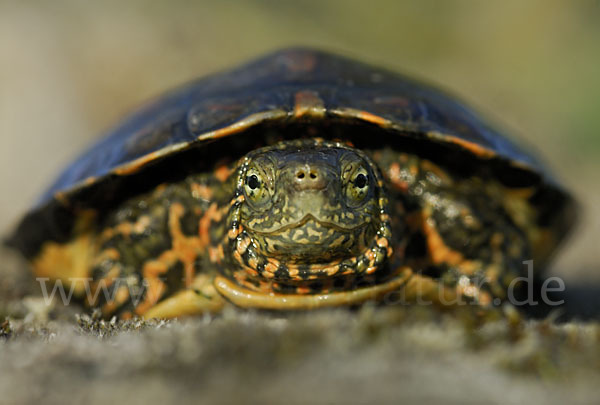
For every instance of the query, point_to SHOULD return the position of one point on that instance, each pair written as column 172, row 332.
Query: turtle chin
column 307, row 255
column 312, row 241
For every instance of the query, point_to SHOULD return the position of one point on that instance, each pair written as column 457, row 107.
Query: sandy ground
column 374, row 355
column 69, row 71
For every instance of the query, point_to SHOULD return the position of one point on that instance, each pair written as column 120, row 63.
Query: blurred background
column 70, row 70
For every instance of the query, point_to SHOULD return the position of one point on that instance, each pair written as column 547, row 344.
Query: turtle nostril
column 301, row 175
column 308, row 178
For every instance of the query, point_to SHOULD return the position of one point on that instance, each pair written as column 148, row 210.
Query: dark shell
column 292, row 84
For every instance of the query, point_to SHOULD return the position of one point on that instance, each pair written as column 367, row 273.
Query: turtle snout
column 308, row 176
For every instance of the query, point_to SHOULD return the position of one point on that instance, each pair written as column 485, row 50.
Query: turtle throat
column 261, row 272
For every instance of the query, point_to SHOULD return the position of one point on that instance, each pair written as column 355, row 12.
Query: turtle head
column 308, row 210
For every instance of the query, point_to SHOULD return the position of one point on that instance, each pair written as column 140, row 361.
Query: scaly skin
column 311, row 221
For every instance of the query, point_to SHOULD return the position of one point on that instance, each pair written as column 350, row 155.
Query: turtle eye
column 255, row 188
column 358, row 186
column 253, row 182
column 361, row 180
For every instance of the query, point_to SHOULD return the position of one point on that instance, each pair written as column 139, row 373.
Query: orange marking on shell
column 142, row 223
column 185, row 247
column 371, row 270
column 438, row 250
column 110, row 277
column 89, row 180
column 222, row 173
column 394, row 174
column 469, row 266
column 243, row 124
column 201, row 191
column 70, row 261
column 137, row 164
column 308, row 103
column 154, row 287
column 108, row 233
column 361, row 115
column 108, row 254
column 375, row 119
column 212, row 214
column 127, row 228
column 121, row 296
column 471, row 147
column 429, row 166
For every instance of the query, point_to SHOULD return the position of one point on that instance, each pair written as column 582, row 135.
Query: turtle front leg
column 201, row 297
column 153, row 258
column 459, row 232
column 478, row 271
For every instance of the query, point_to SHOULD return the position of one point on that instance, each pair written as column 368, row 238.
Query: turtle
column 299, row 180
